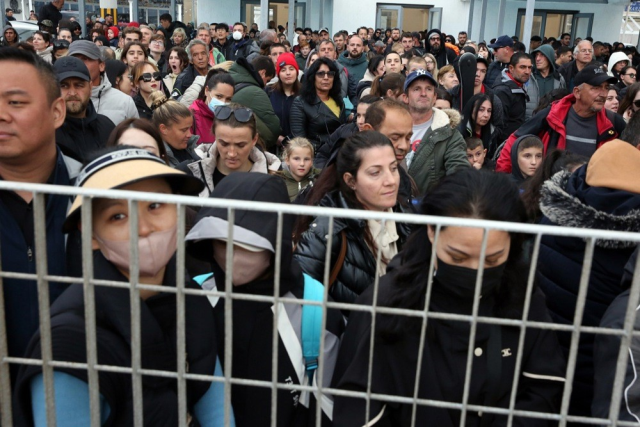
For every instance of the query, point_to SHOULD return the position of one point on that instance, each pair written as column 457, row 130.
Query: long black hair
column 468, row 193
column 308, row 91
column 215, row 77
column 469, row 115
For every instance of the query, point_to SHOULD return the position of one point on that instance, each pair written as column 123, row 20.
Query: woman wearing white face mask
column 133, row 169
column 255, row 238
column 218, row 89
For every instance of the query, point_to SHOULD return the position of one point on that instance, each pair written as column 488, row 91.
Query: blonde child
column 300, row 172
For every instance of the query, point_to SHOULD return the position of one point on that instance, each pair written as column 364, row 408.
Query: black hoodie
column 79, row 138
column 444, row 56
column 253, row 320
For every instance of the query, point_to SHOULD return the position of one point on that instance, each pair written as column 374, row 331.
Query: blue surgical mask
column 214, row 103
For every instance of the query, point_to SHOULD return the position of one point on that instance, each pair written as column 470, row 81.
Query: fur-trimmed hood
column 454, row 117
column 567, row 200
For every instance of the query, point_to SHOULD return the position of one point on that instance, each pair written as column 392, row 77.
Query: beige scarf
column 385, row 239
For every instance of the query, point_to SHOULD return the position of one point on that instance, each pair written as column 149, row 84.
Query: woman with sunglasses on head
column 146, row 79
column 174, row 121
column 235, row 148
column 319, row 110
column 133, row 169
column 457, row 254
column 42, row 45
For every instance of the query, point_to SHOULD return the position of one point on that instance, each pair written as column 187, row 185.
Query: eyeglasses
column 223, row 112
column 633, row 76
column 157, row 41
column 61, row 44
column 323, row 74
column 637, row 103
column 157, row 76
column 586, row 51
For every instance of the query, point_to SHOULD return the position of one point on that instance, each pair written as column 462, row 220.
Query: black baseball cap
column 593, row 75
column 503, row 41
column 70, row 66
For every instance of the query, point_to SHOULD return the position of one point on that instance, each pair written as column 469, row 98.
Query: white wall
column 351, row 14
column 219, row 11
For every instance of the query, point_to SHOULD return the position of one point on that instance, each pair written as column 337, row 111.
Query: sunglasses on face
column 636, row 103
column 323, row 74
column 223, row 112
column 633, row 76
column 157, row 76
column 61, row 44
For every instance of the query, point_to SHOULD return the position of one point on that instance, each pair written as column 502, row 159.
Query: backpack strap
column 238, row 87
column 311, row 324
column 340, row 260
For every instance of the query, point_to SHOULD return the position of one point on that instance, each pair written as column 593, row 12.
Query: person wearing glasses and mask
column 319, row 110
column 234, row 150
column 146, row 79
column 578, row 123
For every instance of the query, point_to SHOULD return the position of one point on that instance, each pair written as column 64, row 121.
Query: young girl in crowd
column 132, row 53
column 235, row 149
column 132, row 169
column 300, row 173
column 391, row 85
column 178, row 60
column 174, row 122
column 526, row 158
column 409, row 284
column 146, row 80
column 218, row 89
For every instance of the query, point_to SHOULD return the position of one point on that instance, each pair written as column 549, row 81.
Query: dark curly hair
column 308, row 92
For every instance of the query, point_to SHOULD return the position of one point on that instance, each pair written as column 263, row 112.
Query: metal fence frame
column 92, row 367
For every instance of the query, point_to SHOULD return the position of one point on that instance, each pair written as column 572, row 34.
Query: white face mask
column 247, row 265
column 237, row 35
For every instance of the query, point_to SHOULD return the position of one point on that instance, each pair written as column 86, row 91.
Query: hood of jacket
column 516, row 173
column 243, row 72
column 345, row 59
column 454, row 117
column 567, row 200
column 79, row 123
column 9, row 27
column 261, row 225
column 615, row 58
column 548, row 52
column 506, row 78
column 104, row 86
column 426, row 41
column 442, row 118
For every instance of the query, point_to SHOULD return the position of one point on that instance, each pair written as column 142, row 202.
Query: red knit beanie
column 133, row 24
column 286, row 58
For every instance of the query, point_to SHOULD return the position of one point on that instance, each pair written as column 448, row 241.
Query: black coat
column 50, row 12
column 144, row 111
column 359, row 269
column 253, row 320
column 444, row 362
column 183, row 81
column 315, row 121
column 79, row 138
column 514, row 104
column 113, row 335
column 567, row 200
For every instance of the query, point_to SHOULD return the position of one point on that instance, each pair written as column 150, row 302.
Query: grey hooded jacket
column 112, row 103
column 533, row 85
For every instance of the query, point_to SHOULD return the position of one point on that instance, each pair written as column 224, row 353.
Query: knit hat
column 615, row 165
column 286, row 58
column 133, row 24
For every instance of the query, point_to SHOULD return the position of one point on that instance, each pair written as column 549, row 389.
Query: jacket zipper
column 29, row 253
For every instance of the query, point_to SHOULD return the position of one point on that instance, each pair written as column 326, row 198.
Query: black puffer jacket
column 315, row 121
column 359, row 268
column 567, row 200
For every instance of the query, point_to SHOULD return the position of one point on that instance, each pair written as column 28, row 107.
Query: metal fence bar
column 423, row 331
column 40, row 230
column 134, row 302
column 474, row 325
column 228, row 319
column 6, row 416
column 577, row 323
column 90, row 311
column 523, row 327
column 275, row 337
column 625, row 343
column 327, row 286
column 181, row 356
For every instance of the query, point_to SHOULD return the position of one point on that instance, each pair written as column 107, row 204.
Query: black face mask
column 460, row 282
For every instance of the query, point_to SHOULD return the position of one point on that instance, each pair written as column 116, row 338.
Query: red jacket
column 548, row 124
column 202, row 122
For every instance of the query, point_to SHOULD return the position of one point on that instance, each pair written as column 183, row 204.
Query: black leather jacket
column 315, row 121
column 359, row 268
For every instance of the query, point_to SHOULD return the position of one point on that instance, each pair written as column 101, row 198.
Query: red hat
column 286, row 58
column 133, row 24
column 115, row 31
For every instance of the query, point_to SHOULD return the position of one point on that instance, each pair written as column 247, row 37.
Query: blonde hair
column 445, row 70
column 226, row 65
column 297, row 142
column 167, row 111
column 434, row 73
column 138, row 71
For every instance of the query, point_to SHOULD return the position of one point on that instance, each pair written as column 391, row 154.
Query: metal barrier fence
column 92, row 367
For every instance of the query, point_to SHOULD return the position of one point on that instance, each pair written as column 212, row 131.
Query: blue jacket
column 21, row 296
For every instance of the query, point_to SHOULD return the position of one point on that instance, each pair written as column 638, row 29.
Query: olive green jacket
column 441, row 152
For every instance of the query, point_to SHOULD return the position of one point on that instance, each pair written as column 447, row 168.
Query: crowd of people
column 370, row 120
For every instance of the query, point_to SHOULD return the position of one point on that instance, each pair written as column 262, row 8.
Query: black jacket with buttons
column 359, row 268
